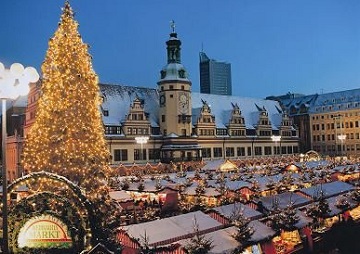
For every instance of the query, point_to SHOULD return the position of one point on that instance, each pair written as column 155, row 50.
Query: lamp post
column 342, row 138
column 141, row 140
column 14, row 82
column 276, row 139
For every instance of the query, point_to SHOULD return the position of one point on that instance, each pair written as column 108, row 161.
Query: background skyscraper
column 215, row 77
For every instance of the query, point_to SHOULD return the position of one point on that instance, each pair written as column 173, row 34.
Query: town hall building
column 170, row 123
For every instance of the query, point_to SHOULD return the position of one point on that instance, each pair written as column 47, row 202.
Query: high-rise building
column 215, row 77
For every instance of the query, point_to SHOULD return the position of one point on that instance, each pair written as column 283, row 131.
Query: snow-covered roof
column 321, row 103
column 303, row 220
column 261, row 231
column 172, row 227
column 329, row 189
column 117, row 100
column 223, row 165
column 333, row 201
column 171, row 71
column 312, row 164
column 209, row 192
column 150, row 185
column 236, row 185
column 120, row 195
column 248, row 108
column 228, row 210
column 222, row 240
column 284, row 200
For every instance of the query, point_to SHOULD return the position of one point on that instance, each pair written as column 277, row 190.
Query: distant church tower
column 174, row 92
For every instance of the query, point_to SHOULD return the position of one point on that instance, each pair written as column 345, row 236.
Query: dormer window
column 163, row 74
column 181, row 73
column 106, row 112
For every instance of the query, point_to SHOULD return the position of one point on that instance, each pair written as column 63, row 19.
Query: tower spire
column 173, row 46
column 172, row 25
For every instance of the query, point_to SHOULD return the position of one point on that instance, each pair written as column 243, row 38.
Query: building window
column 267, row 150
column 112, row 130
column 106, row 112
column 206, row 152
column 289, row 150
column 120, row 155
column 217, row 151
column 163, row 118
column 295, row 149
column 221, row 132
column 240, row 151
column 249, row 151
column 140, row 154
column 258, row 150
column 154, row 154
column 230, row 152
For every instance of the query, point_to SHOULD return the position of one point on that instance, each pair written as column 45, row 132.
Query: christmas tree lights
column 67, row 137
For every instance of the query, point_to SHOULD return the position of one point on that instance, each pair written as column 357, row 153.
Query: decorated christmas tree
column 67, row 137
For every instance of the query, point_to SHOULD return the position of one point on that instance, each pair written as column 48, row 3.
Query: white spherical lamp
column 31, row 74
column 16, row 69
column 2, row 68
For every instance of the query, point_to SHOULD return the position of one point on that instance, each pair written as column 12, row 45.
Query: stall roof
column 219, row 165
column 224, row 242
column 120, row 195
column 228, row 210
column 284, row 200
column 172, row 227
column 329, row 189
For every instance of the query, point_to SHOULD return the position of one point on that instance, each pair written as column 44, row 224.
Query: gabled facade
column 236, row 125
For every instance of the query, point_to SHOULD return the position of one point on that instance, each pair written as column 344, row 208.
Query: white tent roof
column 172, row 227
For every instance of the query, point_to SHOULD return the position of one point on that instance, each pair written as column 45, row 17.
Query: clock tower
column 174, row 92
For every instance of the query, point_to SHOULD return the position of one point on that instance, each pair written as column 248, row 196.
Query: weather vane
column 172, row 25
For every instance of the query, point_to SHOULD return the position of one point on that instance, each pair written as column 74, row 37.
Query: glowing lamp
column 13, row 83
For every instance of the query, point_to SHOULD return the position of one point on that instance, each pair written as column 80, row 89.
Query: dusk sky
column 274, row 46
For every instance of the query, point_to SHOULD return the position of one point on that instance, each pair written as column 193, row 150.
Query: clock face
column 183, row 104
column 183, row 98
column 162, row 100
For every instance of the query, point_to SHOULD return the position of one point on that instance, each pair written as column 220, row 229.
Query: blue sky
column 274, row 46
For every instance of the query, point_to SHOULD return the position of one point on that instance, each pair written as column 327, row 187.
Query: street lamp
column 14, row 82
column 342, row 138
column 141, row 140
column 276, row 139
